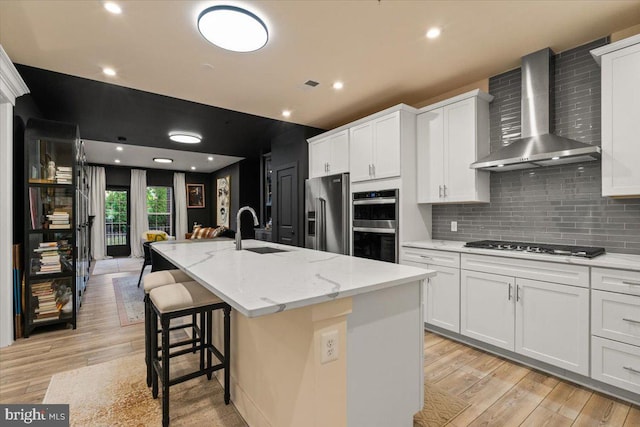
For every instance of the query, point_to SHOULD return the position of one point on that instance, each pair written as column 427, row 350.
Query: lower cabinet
column 545, row 321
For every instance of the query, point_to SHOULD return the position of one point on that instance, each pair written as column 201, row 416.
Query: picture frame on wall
column 195, row 195
column 223, row 201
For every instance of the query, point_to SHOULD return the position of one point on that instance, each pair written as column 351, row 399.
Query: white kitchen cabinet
column 442, row 292
column 620, row 111
column 552, row 324
column 451, row 135
column 487, row 308
column 374, row 149
column 329, row 155
column 542, row 320
column 615, row 363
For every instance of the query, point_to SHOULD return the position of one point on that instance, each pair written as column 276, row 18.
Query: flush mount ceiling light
column 433, row 33
column 162, row 160
column 233, row 28
column 185, row 137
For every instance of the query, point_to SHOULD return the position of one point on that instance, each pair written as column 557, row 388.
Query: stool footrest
column 195, row 374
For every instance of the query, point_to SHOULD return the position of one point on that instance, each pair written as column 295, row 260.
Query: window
column 160, row 209
column 116, row 217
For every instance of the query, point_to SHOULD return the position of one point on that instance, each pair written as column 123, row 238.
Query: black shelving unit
column 54, row 224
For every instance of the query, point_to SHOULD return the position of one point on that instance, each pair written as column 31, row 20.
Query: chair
column 147, row 238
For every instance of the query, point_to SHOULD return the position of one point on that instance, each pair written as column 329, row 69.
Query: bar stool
column 179, row 300
column 151, row 281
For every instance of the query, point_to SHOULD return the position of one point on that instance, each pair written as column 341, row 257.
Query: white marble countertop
column 607, row 260
column 259, row 284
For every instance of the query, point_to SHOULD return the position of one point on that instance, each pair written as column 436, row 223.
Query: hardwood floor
column 501, row 393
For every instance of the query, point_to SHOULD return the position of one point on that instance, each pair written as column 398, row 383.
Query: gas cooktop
column 540, row 248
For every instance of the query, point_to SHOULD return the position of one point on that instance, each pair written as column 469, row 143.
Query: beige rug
column 129, row 300
column 115, row 394
column 439, row 408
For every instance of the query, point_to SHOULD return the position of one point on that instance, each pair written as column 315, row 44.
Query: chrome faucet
column 255, row 223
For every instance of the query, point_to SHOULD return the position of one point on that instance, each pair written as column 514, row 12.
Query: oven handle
column 377, row 201
column 375, row 230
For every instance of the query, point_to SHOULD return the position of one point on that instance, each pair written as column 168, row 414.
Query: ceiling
column 377, row 48
column 136, row 156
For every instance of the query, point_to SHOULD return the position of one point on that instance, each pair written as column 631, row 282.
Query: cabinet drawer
column 615, row 363
column 429, row 256
column 607, row 279
column 615, row 316
column 568, row 274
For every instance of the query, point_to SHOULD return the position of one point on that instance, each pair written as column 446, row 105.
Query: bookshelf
column 55, row 253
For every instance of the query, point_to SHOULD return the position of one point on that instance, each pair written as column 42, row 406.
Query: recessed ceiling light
column 210, row 158
column 286, row 113
column 338, row 85
column 500, row 166
column 185, row 137
column 433, row 33
column 233, row 28
column 109, row 71
column 113, row 8
column 119, row 148
column 193, row 168
column 162, row 160
column 555, row 158
column 117, row 160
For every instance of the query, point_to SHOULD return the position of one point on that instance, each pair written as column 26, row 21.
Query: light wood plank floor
column 500, row 393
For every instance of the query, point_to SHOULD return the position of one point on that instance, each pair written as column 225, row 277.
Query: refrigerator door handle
column 321, row 223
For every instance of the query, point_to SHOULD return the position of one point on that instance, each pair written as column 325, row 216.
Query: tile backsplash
column 558, row 204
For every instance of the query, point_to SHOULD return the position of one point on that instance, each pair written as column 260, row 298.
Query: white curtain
column 97, row 188
column 139, row 216
column 180, row 198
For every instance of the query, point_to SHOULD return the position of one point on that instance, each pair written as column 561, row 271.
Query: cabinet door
column 318, row 158
column 430, row 150
column 487, row 308
column 460, row 150
column 360, row 151
column 386, row 147
column 620, row 124
column 552, row 324
column 339, row 153
column 442, row 299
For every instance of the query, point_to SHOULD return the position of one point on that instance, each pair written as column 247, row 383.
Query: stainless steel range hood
column 538, row 145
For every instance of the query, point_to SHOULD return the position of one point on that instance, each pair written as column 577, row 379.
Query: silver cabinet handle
column 425, row 257
column 445, row 190
column 440, row 190
column 517, row 292
column 629, row 368
column 328, row 167
column 628, row 282
column 369, row 169
column 509, row 294
column 631, row 320
column 373, row 168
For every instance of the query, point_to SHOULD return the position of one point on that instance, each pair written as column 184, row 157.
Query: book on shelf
column 59, row 226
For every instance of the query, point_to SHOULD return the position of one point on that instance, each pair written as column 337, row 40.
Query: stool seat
column 164, row 277
column 181, row 296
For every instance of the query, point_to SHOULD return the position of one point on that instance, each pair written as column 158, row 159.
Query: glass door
column 116, row 216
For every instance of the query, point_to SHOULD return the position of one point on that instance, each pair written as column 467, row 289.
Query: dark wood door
column 286, row 198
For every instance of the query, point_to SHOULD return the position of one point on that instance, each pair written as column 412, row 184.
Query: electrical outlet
column 329, row 349
column 454, row 225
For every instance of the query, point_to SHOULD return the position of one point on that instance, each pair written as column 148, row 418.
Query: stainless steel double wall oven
column 375, row 225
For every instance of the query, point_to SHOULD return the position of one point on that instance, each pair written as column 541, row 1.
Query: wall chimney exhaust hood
column 538, row 145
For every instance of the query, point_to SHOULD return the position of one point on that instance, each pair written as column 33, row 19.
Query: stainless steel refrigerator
column 326, row 213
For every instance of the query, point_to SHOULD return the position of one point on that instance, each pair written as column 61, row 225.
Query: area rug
column 129, row 299
column 115, row 394
column 439, row 408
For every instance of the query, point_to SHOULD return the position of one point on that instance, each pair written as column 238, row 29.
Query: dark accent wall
column 559, row 204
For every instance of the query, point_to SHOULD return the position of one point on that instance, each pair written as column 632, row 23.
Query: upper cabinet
column 375, row 148
column 329, row 155
column 620, row 63
column 451, row 135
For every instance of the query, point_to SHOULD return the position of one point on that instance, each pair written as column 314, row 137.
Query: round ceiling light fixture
column 185, row 137
column 233, row 28
column 162, row 160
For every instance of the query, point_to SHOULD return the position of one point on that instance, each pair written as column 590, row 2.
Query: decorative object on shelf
column 223, row 203
column 51, row 170
column 195, row 195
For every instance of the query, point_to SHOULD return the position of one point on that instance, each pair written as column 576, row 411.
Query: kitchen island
column 289, row 304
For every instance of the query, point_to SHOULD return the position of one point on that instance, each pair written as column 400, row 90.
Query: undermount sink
column 265, row 250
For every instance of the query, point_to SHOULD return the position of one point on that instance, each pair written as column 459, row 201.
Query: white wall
column 11, row 87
